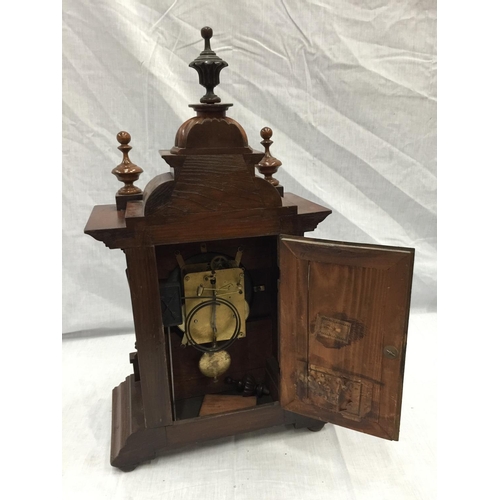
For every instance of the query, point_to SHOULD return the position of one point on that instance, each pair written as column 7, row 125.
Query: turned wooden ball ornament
column 126, row 172
column 269, row 165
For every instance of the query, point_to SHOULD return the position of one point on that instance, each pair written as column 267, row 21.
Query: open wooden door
column 343, row 323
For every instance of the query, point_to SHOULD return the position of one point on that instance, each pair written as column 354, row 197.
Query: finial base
column 216, row 110
column 122, row 199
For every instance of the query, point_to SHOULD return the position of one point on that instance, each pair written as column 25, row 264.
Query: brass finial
column 126, row 172
column 208, row 65
column 269, row 164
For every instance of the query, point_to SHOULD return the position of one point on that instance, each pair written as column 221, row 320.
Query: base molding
column 132, row 443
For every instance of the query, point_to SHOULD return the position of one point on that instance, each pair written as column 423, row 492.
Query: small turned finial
column 126, row 172
column 208, row 65
column 269, row 164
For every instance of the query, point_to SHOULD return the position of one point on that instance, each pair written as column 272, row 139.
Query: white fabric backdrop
column 279, row 463
column 348, row 87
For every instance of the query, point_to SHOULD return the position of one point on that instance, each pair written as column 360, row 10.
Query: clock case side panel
column 150, row 339
column 343, row 320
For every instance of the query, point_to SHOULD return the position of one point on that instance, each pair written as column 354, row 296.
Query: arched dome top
column 211, row 132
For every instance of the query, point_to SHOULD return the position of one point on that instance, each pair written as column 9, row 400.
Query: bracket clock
column 241, row 322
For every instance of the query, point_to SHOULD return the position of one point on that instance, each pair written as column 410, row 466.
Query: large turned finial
column 126, row 172
column 269, row 164
column 208, row 65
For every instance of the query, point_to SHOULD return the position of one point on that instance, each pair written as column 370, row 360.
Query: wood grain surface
column 341, row 306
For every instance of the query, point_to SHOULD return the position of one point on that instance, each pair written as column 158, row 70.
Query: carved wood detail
column 326, row 325
column 340, row 305
column 209, row 183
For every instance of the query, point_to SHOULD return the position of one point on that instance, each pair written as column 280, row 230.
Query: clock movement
column 241, row 322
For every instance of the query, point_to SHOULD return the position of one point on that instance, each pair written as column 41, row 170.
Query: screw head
column 390, row 352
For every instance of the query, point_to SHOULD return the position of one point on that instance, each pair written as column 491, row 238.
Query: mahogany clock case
column 323, row 325
column 326, row 333
column 350, row 94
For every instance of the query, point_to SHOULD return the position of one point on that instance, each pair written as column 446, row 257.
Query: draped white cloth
column 272, row 464
column 349, row 89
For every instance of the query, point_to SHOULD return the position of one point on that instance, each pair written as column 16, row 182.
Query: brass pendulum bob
column 214, row 364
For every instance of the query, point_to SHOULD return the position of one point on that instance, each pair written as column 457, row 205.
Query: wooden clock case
column 326, row 331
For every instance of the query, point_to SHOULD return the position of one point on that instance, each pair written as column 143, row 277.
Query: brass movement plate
column 198, row 289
